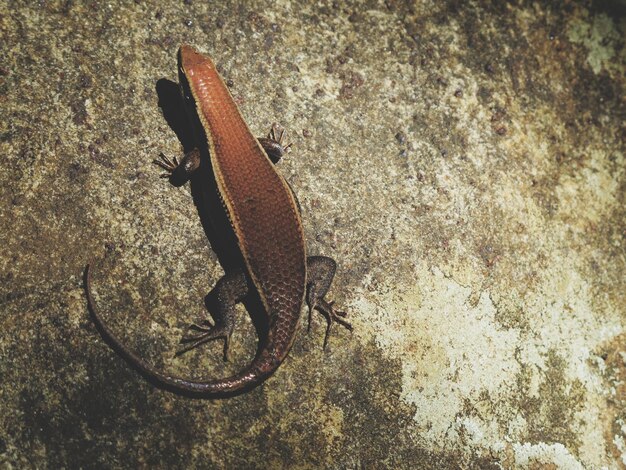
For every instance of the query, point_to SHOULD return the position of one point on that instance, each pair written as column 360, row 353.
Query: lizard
column 264, row 215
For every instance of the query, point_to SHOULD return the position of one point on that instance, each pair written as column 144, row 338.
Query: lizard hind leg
column 228, row 291
column 320, row 273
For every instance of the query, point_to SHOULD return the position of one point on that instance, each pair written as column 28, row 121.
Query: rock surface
column 463, row 161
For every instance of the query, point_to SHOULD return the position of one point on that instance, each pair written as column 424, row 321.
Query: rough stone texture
column 463, row 161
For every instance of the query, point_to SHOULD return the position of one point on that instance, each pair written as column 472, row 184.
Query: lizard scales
column 260, row 206
column 265, row 218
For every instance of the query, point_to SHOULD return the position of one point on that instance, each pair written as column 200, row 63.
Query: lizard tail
column 257, row 371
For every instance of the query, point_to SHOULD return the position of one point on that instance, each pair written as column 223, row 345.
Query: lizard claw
column 279, row 139
column 205, row 326
column 165, row 163
column 209, row 333
column 332, row 316
column 273, row 143
column 277, row 134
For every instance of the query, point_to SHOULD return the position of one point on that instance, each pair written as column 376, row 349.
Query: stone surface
column 463, row 161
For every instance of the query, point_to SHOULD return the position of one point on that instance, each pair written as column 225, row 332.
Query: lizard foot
column 277, row 134
column 320, row 272
column 178, row 171
column 273, row 143
column 208, row 333
column 332, row 315
column 165, row 163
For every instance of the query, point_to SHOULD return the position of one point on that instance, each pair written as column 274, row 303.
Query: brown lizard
column 265, row 218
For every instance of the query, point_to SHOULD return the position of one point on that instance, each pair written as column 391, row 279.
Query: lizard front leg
column 273, row 144
column 179, row 172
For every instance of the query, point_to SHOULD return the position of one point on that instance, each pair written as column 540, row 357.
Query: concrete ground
column 464, row 162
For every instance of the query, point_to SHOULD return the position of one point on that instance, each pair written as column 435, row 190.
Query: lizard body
column 265, row 218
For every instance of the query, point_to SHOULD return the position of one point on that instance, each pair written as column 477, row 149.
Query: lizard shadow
column 208, row 204
column 203, row 188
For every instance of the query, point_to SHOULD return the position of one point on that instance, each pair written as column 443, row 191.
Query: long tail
column 257, row 371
